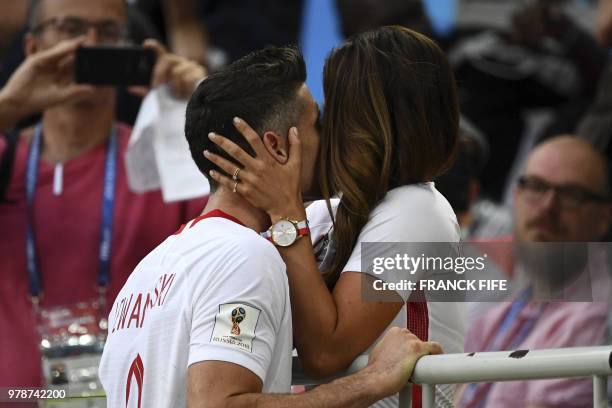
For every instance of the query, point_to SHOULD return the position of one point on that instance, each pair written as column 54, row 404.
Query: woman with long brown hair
column 390, row 127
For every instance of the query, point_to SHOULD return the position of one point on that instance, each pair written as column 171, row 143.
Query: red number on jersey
column 137, row 372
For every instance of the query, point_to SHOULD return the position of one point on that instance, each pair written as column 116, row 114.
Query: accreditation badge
column 72, row 341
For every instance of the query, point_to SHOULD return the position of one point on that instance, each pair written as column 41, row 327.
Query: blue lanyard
column 495, row 345
column 515, row 309
column 108, row 201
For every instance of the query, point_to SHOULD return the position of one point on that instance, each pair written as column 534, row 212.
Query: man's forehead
column 565, row 163
column 90, row 9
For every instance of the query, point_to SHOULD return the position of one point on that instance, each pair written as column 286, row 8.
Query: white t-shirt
column 214, row 291
column 411, row 213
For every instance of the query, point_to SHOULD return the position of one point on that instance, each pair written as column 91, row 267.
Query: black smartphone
column 113, row 65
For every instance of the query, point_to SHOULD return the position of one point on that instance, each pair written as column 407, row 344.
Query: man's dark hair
column 260, row 88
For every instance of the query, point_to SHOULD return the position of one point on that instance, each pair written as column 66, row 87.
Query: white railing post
column 600, row 391
column 429, row 395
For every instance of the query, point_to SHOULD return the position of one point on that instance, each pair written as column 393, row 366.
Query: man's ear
column 276, row 146
column 30, row 44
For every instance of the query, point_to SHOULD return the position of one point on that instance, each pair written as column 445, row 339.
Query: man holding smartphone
column 71, row 230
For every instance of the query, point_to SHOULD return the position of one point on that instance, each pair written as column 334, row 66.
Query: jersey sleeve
column 236, row 316
column 414, row 216
column 319, row 220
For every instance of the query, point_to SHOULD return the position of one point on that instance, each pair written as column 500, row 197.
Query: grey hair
column 34, row 14
column 34, row 17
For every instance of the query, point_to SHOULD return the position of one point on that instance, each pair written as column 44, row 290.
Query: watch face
column 284, row 233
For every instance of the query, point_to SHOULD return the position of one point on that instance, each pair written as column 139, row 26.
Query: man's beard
column 553, row 265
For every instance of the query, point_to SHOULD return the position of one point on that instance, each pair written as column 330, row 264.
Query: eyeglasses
column 570, row 196
column 109, row 32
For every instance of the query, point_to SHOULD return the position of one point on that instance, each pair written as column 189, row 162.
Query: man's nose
column 550, row 201
column 91, row 36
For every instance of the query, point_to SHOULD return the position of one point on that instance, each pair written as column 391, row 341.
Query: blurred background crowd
column 527, row 72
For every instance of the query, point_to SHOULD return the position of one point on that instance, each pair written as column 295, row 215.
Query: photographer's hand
column 43, row 80
column 181, row 74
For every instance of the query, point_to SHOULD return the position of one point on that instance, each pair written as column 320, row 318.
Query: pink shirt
column 561, row 324
column 67, row 231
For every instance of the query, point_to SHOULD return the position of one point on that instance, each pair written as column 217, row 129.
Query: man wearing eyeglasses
column 71, row 231
column 563, row 196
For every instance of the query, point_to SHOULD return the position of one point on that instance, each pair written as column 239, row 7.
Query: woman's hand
column 264, row 181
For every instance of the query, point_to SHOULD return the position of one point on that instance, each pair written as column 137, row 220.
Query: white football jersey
column 215, row 290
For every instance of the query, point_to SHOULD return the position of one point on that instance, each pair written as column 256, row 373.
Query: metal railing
column 463, row 368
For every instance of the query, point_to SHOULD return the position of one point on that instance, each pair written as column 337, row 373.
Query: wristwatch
column 285, row 232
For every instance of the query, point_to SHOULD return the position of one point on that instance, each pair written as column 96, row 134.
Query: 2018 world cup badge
column 235, row 326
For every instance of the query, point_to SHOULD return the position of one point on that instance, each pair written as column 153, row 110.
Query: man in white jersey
column 205, row 320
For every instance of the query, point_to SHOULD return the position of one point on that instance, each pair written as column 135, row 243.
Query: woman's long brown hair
column 391, row 119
